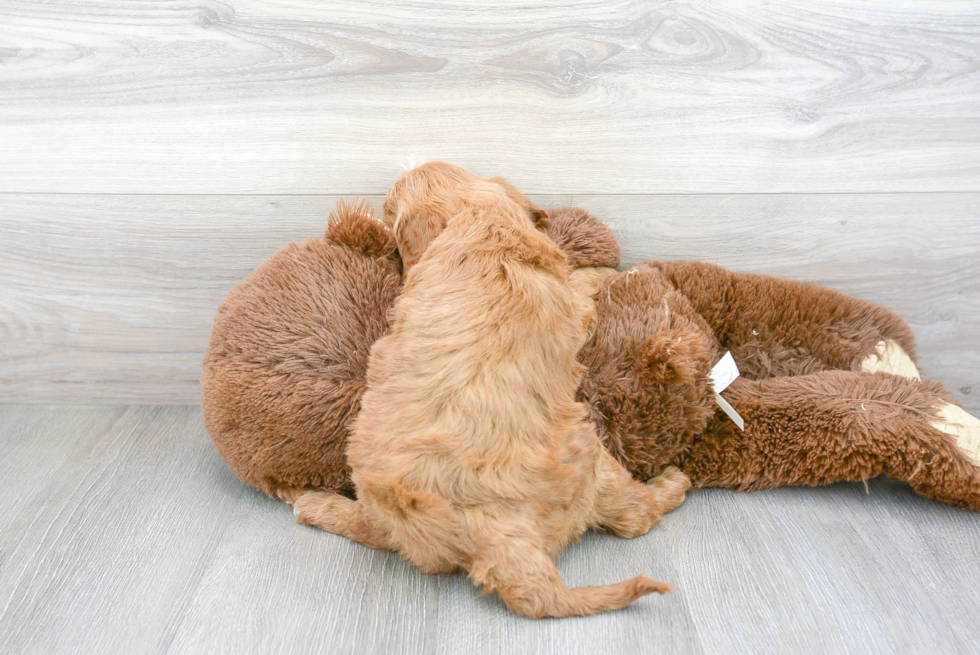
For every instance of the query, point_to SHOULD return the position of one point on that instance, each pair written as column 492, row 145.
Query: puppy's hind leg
column 671, row 486
column 340, row 515
column 627, row 508
column 529, row 584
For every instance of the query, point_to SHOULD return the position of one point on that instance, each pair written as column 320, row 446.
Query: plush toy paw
column 889, row 357
column 963, row 428
column 584, row 240
column 672, row 357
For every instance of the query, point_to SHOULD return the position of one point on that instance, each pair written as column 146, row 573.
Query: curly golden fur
column 469, row 451
column 420, row 204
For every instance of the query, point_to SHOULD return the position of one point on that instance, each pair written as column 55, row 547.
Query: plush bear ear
column 673, row 357
column 585, row 240
column 352, row 223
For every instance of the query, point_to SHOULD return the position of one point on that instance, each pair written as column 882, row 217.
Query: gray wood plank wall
column 151, row 154
column 251, row 96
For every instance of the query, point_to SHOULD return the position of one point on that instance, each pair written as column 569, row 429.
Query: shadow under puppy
column 469, row 451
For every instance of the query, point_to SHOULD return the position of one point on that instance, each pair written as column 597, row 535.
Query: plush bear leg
column 841, row 426
column 784, row 327
column 962, row 427
column 890, row 357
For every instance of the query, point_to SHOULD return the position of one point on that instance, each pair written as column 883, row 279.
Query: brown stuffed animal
column 284, row 370
column 828, row 390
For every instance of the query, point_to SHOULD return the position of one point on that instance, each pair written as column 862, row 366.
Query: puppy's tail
column 530, row 585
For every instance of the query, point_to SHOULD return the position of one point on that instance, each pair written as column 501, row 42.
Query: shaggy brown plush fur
column 868, row 424
column 285, row 369
column 811, row 417
column 783, row 327
column 469, row 450
column 647, row 365
column 585, row 241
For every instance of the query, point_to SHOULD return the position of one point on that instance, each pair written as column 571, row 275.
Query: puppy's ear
column 414, row 233
column 537, row 250
column 538, row 216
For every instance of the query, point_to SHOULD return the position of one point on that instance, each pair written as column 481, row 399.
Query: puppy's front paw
column 671, row 477
column 290, row 494
column 673, row 485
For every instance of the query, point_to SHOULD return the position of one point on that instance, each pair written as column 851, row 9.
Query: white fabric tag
column 732, row 414
column 723, row 374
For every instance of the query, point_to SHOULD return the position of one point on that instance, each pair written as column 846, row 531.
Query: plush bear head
column 646, row 382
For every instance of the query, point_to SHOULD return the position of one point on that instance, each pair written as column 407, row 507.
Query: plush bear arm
column 585, row 241
column 840, row 426
column 784, row 327
column 589, row 246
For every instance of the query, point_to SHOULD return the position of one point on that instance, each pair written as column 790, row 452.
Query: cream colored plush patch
column 585, row 281
column 890, row 358
column 963, row 427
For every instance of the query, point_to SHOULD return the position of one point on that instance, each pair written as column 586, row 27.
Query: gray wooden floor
column 121, row 531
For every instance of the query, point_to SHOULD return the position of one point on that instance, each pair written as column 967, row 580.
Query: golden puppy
column 469, row 451
column 421, row 202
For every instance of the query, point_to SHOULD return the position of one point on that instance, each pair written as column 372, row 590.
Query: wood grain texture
column 110, row 298
column 842, row 584
column 943, row 551
column 135, row 538
column 252, row 96
column 104, row 555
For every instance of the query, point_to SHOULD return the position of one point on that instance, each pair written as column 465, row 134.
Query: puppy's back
column 481, row 359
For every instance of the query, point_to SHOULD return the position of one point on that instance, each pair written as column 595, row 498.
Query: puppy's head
column 421, row 202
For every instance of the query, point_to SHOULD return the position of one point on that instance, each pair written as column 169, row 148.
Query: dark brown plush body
column 285, row 369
